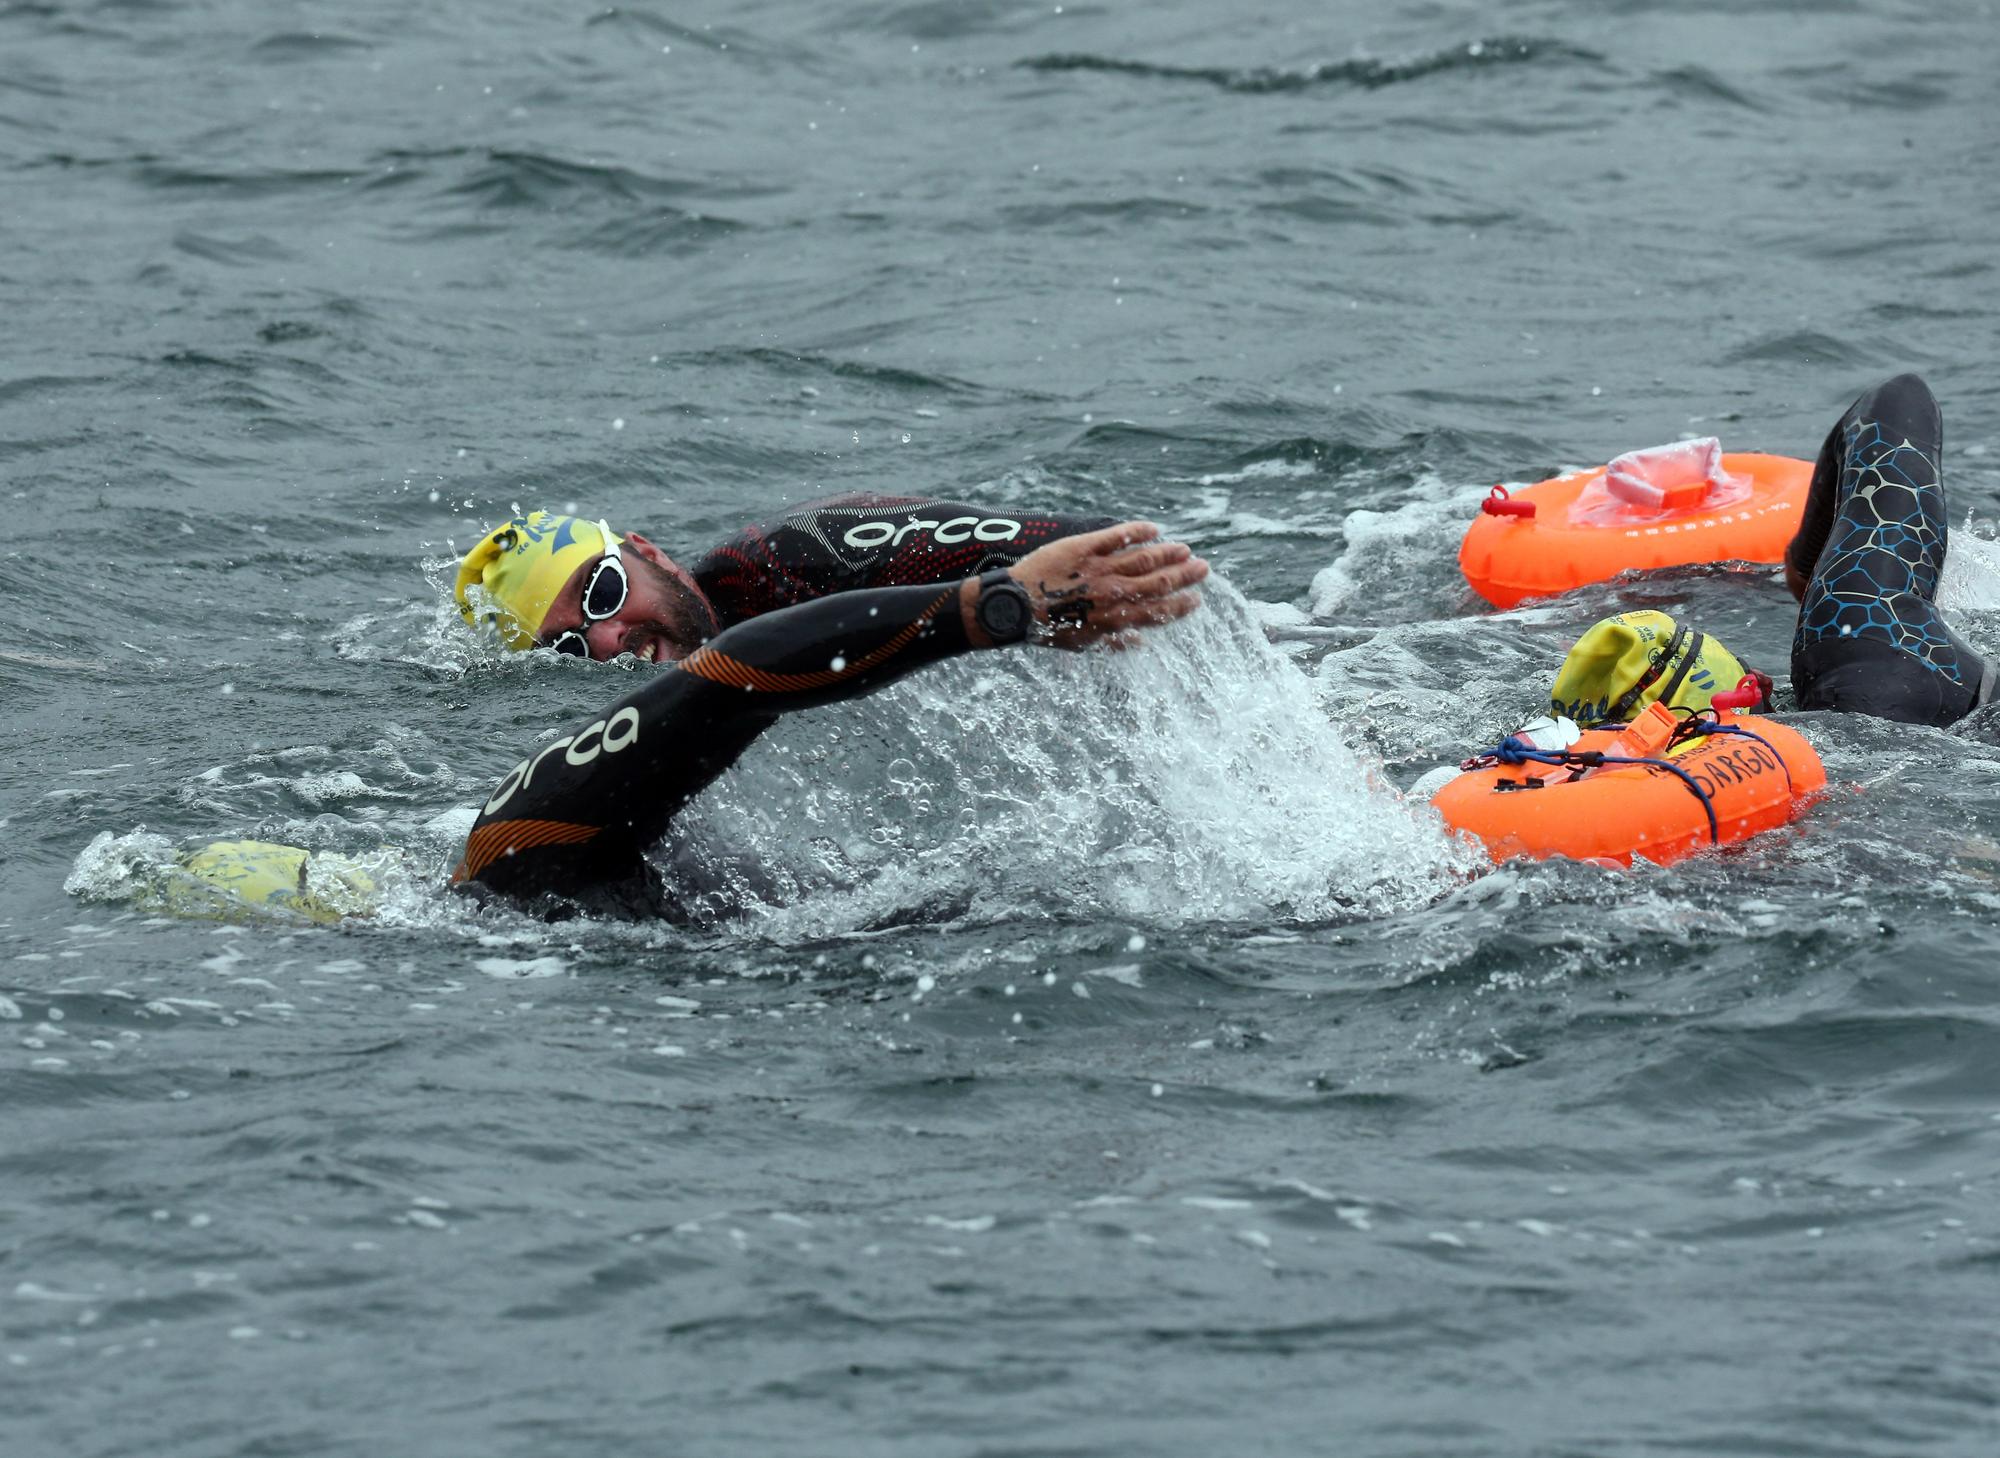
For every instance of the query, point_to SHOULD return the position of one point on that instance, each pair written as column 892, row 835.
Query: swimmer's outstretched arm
column 576, row 816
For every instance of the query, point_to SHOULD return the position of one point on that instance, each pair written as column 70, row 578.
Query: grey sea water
column 1080, row 1056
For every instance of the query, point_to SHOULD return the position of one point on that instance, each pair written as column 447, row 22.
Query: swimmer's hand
column 1104, row 586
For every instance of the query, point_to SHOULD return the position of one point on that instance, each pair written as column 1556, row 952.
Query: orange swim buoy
column 1665, row 507
column 1723, row 780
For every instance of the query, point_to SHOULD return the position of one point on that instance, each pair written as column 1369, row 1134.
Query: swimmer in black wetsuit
column 571, row 823
column 578, row 586
column 1865, row 564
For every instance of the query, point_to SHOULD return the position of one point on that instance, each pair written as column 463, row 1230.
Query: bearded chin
column 689, row 620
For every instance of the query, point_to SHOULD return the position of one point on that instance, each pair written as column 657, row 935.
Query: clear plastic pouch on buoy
column 1660, row 481
column 1550, row 734
column 1546, row 733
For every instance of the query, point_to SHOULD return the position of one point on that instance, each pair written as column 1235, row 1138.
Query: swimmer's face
column 664, row 616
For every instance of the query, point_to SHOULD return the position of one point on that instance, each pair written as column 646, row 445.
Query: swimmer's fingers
column 1145, row 612
column 1175, row 572
column 1109, row 582
column 1131, row 548
column 1078, row 621
column 1122, row 537
column 1137, row 561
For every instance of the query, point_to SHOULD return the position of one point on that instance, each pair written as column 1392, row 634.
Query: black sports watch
column 1004, row 610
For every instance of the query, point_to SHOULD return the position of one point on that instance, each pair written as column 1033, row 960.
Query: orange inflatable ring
column 1752, row 773
column 1569, row 530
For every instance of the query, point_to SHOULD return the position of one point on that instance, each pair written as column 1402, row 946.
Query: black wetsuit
column 845, row 543
column 834, row 599
column 571, row 823
column 1870, row 639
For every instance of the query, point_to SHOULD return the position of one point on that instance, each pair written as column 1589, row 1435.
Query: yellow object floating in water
column 322, row 887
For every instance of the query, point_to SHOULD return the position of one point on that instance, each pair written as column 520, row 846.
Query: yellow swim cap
column 520, row 566
column 1626, row 662
column 321, row 887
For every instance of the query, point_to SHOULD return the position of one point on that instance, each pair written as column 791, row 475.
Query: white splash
column 1194, row 778
column 1970, row 581
column 1390, row 549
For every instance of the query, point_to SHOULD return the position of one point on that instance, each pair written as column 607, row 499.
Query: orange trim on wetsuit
column 488, row 843
column 710, row 662
column 573, row 820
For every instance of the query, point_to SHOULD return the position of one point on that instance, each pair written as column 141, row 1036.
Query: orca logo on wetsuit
column 606, row 736
column 871, row 534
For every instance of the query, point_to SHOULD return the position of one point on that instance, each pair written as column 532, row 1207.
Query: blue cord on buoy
column 1514, row 750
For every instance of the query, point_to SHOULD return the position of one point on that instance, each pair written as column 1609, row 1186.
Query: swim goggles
column 604, row 593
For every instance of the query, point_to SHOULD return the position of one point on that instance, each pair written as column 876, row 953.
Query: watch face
column 1003, row 613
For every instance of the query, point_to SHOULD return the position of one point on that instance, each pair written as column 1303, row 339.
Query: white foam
column 332, row 787
column 1194, row 778
column 453, row 825
column 1278, row 470
column 523, row 969
column 1125, row 973
column 970, row 1225
column 1393, row 548
column 36, row 1291
column 1970, row 581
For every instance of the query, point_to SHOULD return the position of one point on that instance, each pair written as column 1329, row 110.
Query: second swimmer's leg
column 1871, row 546
column 1802, row 552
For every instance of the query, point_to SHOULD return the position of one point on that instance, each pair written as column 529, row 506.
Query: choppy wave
column 1700, row 83
column 1809, row 346
column 250, row 182
column 313, row 45
column 892, row 380
column 504, row 179
column 1365, row 73
column 644, row 23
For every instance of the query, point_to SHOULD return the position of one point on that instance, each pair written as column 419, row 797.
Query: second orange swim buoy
column 1659, row 789
column 1666, row 507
